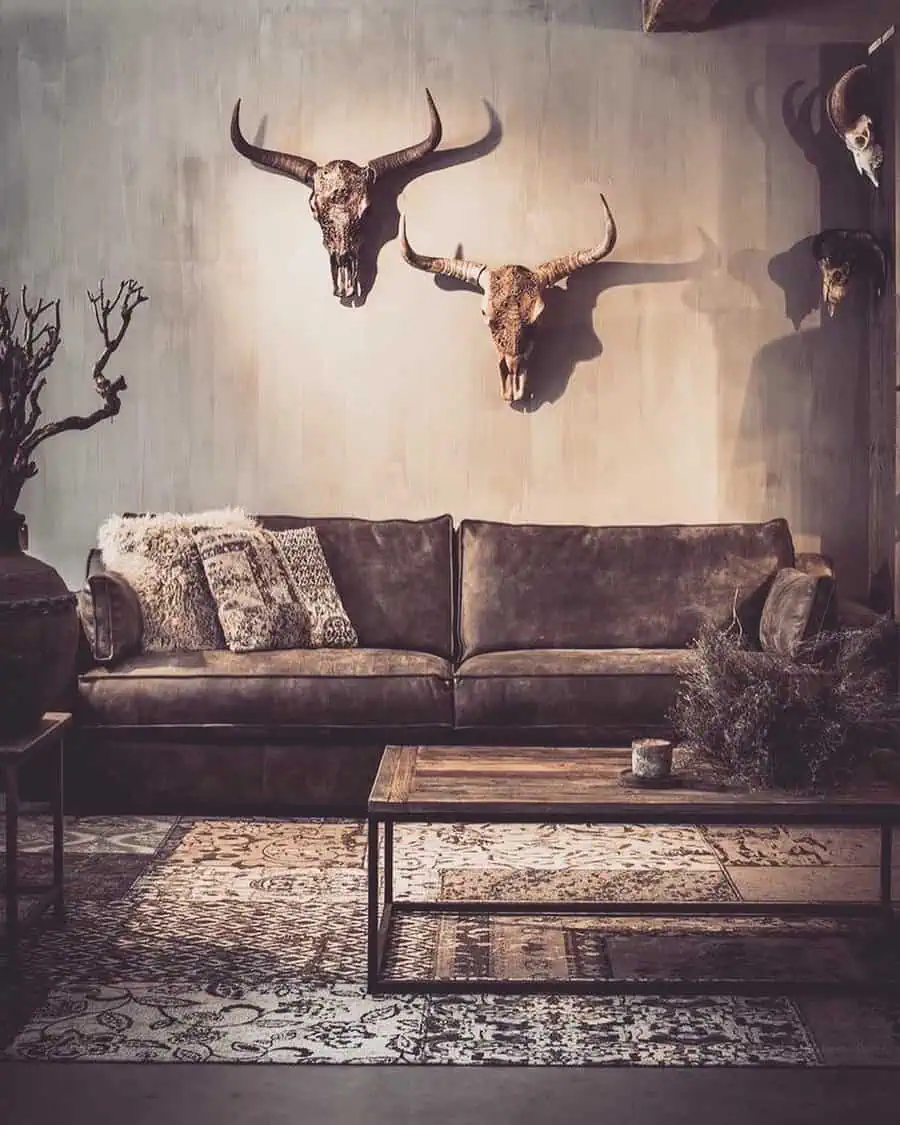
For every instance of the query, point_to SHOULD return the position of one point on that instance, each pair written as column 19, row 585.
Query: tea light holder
column 651, row 758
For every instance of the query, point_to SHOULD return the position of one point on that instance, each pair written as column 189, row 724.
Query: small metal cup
column 651, row 758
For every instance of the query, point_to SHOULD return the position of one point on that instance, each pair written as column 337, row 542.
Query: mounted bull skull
column 850, row 111
column 841, row 256
column 341, row 192
column 513, row 299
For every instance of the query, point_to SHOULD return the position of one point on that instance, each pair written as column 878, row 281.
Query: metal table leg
column 388, row 861
column 372, row 928
column 11, row 776
column 59, row 906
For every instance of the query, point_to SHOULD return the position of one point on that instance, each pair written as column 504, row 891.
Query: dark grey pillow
column 110, row 613
column 797, row 607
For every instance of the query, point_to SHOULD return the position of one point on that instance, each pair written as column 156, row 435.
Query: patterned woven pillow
column 273, row 590
column 329, row 625
column 158, row 557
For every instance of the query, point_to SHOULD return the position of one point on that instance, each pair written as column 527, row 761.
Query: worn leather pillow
column 797, row 607
column 110, row 613
column 273, row 590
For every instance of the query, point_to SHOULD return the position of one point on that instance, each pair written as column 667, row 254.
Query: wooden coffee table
column 476, row 784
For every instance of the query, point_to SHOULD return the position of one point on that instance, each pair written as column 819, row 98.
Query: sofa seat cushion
column 568, row 687
column 357, row 688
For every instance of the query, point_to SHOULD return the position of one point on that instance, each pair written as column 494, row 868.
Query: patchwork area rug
column 209, row 940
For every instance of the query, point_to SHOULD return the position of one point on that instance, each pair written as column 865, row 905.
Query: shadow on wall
column 794, row 412
column 384, row 216
column 793, row 271
column 567, row 337
column 819, row 144
column 728, row 12
column 797, row 275
column 808, row 405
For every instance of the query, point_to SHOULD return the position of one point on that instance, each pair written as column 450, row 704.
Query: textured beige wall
column 692, row 396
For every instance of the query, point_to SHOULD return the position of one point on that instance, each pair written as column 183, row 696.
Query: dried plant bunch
column 765, row 720
column 29, row 339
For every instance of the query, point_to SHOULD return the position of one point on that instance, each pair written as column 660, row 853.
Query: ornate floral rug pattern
column 211, row 940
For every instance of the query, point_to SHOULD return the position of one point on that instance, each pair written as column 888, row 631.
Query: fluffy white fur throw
column 157, row 555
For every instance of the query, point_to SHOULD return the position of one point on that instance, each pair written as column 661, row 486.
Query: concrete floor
column 174, row 1094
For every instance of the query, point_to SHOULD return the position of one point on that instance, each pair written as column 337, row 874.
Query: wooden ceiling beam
column 676, row 15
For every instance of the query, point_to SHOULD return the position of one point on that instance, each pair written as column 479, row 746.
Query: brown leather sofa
column 486, row 633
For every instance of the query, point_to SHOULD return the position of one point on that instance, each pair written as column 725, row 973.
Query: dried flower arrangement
column 764, row 720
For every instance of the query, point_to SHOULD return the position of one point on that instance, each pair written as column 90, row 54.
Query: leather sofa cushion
column 557, row 586
column 354, row 688
column 568, row 687
column 798, row 607
column 395, row 577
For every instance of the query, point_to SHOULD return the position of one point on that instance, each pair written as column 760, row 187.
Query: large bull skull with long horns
column 850, row 110
column 341, row 192
column 513, row 297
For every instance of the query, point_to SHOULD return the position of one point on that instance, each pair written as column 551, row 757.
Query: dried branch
column 24, row 358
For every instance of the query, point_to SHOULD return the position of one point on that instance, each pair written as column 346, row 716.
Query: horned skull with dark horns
column 850, row 111
column 843, row 255
column 341, row 192
column 513, row 297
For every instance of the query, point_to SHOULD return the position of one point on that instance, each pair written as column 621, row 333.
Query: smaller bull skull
column 513, row 298
column 842, row 255
column 849, row 106
column 341, row 193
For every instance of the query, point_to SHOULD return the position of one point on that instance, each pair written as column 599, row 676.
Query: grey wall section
column 677, row 387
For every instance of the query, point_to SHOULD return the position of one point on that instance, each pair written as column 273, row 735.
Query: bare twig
column 23, row 359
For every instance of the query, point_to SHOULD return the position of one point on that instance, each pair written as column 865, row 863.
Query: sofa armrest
column 85, row 659
column 111, row 620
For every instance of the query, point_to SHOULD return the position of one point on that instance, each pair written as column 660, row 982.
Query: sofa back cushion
column 395, row 577
column 558, row 586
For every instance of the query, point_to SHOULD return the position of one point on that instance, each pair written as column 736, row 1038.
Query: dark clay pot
column 38, row 634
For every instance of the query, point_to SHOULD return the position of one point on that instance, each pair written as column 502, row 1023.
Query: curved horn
column 555, row 270
column 297, row 167
column 470, row 272
column 404, row 156
column 839, row 113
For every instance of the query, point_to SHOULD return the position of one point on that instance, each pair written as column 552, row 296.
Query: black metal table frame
column 379, row 922
column 45, row 894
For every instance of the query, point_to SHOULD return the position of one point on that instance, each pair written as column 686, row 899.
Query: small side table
column 49, row 738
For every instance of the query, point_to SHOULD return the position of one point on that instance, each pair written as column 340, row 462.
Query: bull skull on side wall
column 851, row 111
column 843, row 255
column 341, row 192
column 513, row 297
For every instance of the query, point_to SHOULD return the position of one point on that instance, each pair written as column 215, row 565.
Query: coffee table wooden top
column 577, row 782
column 17, row 748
